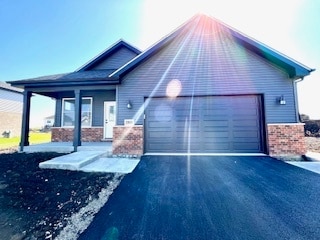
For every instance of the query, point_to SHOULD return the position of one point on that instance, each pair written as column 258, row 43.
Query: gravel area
column 313, row 144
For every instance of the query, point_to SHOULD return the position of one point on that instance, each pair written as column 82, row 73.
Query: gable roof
column 84, row 75
column 294, row 69
column 115, row 47
column 7, row 87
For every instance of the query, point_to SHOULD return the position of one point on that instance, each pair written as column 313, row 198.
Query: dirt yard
column 36, row 203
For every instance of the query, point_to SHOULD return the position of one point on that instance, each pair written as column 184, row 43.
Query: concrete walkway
column 313, row 164
column 91, row 161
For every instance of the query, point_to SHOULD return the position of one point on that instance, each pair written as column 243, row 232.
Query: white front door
column 109, row 118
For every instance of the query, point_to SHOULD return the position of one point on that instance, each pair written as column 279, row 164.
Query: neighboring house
column 48, row 122
column 204, row 88
column 11, row 101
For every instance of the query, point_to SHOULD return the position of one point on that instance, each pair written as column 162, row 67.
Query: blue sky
column 49, row 37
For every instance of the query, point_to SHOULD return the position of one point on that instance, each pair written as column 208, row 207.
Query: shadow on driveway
column 219, row 197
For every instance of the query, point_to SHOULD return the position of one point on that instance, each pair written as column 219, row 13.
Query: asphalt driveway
column 218, row 197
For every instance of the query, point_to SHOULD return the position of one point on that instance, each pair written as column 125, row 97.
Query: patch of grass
column 34, row 138
column 37, row 137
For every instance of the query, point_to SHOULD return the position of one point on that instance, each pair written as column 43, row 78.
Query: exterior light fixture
column 282, row 101
column 129, row 105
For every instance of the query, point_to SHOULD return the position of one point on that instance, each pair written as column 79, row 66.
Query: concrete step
column 112, row 165
column 72, row 161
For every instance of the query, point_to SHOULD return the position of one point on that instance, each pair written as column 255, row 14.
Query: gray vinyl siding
column 211, row 66
column 98, row 99
column 116, row 60
column 10, row 101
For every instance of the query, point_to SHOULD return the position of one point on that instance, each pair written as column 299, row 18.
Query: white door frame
column 107, row 124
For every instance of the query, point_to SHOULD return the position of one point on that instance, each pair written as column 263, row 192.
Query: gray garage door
column 212, row 124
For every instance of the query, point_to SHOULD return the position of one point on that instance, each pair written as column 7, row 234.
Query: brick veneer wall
column 127, row 140
column 286, row 139
column 10, row 122
column 91, row 134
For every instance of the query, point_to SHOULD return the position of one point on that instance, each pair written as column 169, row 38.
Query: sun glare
column 174, row 88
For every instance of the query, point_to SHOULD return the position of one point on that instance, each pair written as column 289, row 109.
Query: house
column 204, row 88
column 48, row 122
column 11, row 101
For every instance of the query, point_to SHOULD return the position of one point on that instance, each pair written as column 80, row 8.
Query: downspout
column 298, row 120
column 295, row 91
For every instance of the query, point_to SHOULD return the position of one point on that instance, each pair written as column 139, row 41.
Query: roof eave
column 294, row 68
column 300, row 74
column 64, row 83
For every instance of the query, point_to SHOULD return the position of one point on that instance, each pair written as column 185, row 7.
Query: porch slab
column 67, row 147
column 73, row 161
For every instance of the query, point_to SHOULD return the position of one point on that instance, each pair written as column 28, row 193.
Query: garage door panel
column 185, row 111
column 218, row 117
column 204, row 124
column 214, row 110
column 217, row 147
column 187, row 145
column 186, row 119
column 216, row 134
column 214, row 123
column 159, row 134
column 217, row 141
column 157, row 124
column 186, row 137
column 160, row 147
column 187, row 122
column 246, row 124
column 186, row 130
column 247, row 147
column 245, row 118
column 186, row 148
column 245, row 134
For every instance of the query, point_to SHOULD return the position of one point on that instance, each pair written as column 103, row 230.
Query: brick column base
column 90, row 134
column 127, row 140
column 286, row 139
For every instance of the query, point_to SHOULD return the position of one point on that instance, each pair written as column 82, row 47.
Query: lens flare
column 174, row 88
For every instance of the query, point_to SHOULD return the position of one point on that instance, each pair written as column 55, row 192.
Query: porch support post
column 24, row 140
column 77, row 120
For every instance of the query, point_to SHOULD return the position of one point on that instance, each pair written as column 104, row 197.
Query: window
column 68, row 109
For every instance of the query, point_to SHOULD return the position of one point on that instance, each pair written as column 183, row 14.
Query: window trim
column 62, row 111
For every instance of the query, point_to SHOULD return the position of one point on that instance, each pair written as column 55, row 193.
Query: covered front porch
column 81, row 116
column 85, row 99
